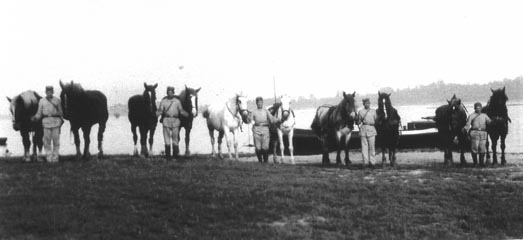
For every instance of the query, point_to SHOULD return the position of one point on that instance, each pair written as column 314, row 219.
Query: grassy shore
column 124, row 197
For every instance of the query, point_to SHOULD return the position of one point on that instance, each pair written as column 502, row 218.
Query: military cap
column 366, row 100
column 49, row 88
column 170, row 89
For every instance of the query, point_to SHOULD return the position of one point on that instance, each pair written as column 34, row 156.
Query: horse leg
column 87, row 141
column 187, row 141
column 27, row 144
column 502, row 146
column 274, row 142
column 462, row 146
column 494, row 139
column 325, row 149
column 488, row 151
column 151, row 140
column 339, row 147
column 290, row 135
column 220, row 140
column 143, row 141
column 235, row 143
column 38, row 141
column 101, row 130
column 282, row 145
column 77, row 143
column 347, row 158
column 211, row 136
column 135, row 138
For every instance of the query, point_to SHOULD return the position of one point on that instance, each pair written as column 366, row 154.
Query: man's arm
column 159, row 112
column 38, row 114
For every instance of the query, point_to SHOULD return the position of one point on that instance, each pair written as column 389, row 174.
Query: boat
column 416, row 135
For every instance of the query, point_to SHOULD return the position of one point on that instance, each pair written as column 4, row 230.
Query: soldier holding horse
column 50, row 112
column 367, row 118
column 170, row 110
column 477, row 128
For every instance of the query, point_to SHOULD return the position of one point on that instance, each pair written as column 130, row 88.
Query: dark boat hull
column 307, row 143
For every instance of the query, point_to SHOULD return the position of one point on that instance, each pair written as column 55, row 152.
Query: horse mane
column 150, row 98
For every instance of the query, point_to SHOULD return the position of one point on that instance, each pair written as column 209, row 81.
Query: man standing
column 367, row 118
column 260, row 130
column 477, row 125
column 50, row 109
column 170, row 109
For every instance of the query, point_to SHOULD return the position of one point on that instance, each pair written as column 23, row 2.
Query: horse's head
column 498, row 98
column 69, row 97
column 285, row 106
column 384, row 100
column 456, row 113
column 347, row 104
column 149, row 95
column 189, row 98
column 241, row 105
column 22, row 108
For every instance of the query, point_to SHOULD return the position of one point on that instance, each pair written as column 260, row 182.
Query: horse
column 450, row 120
column 189, row 99
column 497, row 111
column 335, row 121
column 227, row 118
column 142, row 114
column 83, row 109
column 23, row 107
column 287, row 120
column 387, row 127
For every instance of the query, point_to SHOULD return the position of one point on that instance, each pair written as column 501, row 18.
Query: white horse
column 287, row 121
column 227, row 119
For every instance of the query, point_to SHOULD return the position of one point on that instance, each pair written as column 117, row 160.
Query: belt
column 261, row 124
column 479, row 129
column 170, row 117
column 52, row 116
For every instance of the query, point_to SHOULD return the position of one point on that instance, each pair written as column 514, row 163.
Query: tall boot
column 474, row 158
column 265, row 156
column 259, row 155
column 481, row 159
column 176, row 151
column 167, row 152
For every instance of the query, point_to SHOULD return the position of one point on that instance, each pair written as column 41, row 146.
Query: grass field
column 131, row 198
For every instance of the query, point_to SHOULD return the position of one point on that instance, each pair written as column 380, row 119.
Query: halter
column 289, row 112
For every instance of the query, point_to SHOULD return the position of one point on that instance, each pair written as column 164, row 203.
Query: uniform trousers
column 52, row 143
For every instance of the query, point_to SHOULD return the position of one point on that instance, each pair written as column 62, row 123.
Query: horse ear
column 503, row 88
column 61, row 84
column 344, row 94
column 379, row 93
column 492, row 90
column 354, row 94
column 448, row 101
column 197, row 90
column 144, row 85
column 155, row 85
column 390, row 94
column 9, row 99
column 185, row 86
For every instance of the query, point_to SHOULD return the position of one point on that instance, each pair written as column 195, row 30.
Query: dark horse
column 189, row 99
column 450, row 120
column 387, row 126
column 497, row 111
column 23, row 107
column 335, row 121
column 142, row 114
column 83, row 109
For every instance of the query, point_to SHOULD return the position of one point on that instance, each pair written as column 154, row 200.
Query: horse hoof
column 100, row 155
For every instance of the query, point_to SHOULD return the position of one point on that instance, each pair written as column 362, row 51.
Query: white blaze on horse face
column 285, row 103
column 193, row 104
column 242, row 103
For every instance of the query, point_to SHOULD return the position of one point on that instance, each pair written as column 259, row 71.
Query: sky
column 225, row 47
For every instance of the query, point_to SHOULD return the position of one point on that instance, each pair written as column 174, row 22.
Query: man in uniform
column 477, row 128
column 170, row 109
column 260, row 130
column 50, row 111
column 367, row 118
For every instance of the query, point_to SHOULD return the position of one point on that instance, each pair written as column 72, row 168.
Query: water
column 118, row 136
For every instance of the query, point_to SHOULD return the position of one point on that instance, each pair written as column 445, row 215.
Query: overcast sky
column 310, row 47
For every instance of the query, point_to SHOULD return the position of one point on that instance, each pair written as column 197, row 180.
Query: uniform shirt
column 51, row 112
column 367, row 118
column 262, row 117
column 171, row 113
column 480, row 121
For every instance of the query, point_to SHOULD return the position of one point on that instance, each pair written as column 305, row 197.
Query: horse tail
column 315, row 125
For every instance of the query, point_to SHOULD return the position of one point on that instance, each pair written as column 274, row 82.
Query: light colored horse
column 287, row 121
column 227, row 119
